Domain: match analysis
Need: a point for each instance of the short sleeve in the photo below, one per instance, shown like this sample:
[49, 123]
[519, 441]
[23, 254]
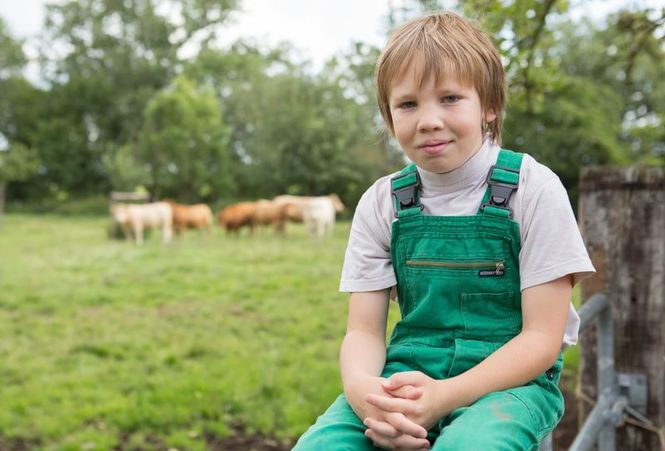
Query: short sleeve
[552, 244]
[367, 263]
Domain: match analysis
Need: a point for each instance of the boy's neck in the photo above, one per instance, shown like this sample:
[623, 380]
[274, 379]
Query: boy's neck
[472, 169]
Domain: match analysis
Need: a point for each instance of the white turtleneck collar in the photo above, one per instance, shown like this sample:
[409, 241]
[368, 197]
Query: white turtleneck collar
[474, 169]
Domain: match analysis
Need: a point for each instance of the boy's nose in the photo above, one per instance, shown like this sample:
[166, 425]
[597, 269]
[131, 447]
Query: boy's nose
[430, 120]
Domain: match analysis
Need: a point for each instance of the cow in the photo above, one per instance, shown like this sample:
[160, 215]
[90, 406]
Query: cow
[134, 218]
[319, 216]
[197, 216]
[271, 213]
[236, 216]
[298, 203]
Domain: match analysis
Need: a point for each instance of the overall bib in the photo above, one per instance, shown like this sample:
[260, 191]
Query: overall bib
[458, 287]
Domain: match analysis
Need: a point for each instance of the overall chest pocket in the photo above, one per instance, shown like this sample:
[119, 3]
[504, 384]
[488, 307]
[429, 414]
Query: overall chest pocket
[488, 315]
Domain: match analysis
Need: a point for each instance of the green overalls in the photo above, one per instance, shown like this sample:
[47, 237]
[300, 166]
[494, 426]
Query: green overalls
[458, 287]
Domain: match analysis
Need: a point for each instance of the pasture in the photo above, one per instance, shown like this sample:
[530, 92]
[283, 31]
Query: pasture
[105, 344]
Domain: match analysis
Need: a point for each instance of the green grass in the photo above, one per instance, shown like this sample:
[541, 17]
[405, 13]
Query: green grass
[106, 345]
[103, 343]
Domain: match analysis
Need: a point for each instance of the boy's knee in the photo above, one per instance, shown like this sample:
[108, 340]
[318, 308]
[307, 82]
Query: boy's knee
[499, 422]
[504, 439]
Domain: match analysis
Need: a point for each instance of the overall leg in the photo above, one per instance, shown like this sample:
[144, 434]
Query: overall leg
[511, 420]
[338, 429]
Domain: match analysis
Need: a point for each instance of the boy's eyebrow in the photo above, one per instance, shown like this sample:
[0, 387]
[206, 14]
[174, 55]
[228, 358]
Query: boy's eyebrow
[401, 97]
[446, 90]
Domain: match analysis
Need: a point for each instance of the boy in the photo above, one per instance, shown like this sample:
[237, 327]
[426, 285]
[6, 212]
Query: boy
[483, 249]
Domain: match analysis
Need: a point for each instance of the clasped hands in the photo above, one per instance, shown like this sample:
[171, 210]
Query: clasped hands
[399, 413]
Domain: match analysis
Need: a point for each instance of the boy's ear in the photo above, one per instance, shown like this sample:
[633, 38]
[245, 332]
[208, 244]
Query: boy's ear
[490, 115]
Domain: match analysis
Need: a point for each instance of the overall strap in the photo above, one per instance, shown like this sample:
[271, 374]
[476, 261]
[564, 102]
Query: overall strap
[502, 181]
[405, 188]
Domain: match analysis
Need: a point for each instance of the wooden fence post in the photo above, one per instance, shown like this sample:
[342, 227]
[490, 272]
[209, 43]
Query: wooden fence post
[622, 217]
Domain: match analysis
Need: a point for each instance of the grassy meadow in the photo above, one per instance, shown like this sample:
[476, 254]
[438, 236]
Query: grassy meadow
[107, 345]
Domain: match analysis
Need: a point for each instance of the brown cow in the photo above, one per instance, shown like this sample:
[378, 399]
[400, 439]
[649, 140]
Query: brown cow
[236, 216]
[197, 216]
[270, 213]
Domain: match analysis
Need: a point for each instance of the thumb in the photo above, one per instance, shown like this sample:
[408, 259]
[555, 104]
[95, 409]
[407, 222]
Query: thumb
[406, 392]
[398, 380]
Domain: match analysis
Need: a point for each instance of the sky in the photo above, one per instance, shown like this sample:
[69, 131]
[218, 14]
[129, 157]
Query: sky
[317, 28]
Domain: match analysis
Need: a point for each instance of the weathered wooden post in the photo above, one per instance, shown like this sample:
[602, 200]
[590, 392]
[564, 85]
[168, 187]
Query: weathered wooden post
[622, 216]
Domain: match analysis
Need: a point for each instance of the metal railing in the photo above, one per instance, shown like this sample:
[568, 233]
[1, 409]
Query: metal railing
[618, 394]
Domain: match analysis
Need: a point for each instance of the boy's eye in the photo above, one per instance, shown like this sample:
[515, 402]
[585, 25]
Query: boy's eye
[407, 105]
[449, 99]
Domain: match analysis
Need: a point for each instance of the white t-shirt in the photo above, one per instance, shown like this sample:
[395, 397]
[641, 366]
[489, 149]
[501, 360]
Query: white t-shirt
[552, 246]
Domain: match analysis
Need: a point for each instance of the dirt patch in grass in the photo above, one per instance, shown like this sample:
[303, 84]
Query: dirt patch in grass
[240, 440]
[248, 443]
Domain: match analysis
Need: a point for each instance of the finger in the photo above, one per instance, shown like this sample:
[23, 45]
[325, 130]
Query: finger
[379, 440]
[381, 427]
[406, 426]
[406, 441]
[406, 392]
[388, 404]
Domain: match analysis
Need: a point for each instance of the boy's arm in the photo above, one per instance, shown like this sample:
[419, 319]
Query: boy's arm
[530, 353]
[362, 358]
[363, 351]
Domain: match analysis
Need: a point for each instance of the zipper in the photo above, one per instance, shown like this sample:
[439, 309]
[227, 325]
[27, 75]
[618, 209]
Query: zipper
[499, 266]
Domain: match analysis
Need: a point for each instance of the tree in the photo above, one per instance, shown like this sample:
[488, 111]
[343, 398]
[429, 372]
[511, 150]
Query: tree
[104, 60]
[17, 111]
[184, 143]
[17, 163]
[295, 132]
[628, 58]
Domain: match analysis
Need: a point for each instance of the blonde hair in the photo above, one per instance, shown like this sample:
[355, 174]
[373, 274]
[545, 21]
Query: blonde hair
[447, 45]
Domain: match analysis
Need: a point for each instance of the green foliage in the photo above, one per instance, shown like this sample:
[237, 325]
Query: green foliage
[116, 56]
[574, 126]
[182, 148]
[296, 132]
[11, 52]
[627, 57]
[17, 163]
[80, 206]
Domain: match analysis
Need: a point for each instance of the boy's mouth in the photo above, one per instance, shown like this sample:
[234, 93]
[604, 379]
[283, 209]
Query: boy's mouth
[434, 146]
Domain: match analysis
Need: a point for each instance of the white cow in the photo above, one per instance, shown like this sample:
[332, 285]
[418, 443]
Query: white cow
[137, 217]
[319, 216]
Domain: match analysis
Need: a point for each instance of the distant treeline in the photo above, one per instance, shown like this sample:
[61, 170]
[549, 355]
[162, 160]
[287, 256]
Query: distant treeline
[118, 106]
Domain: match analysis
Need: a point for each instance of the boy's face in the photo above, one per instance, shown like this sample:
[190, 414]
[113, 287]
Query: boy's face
[438, 126]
